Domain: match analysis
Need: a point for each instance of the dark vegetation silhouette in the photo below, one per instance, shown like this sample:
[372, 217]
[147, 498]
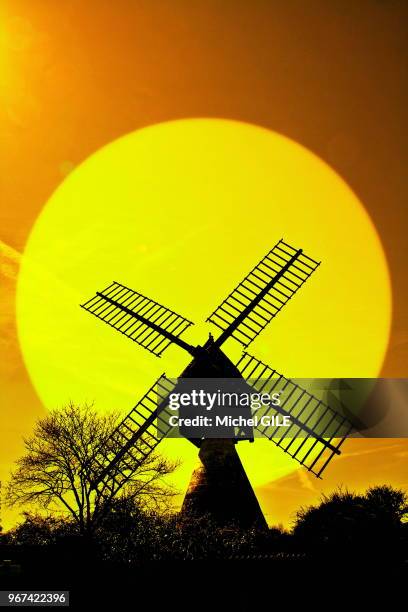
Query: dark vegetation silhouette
[343, 523]
[373, 523]
[62, 456]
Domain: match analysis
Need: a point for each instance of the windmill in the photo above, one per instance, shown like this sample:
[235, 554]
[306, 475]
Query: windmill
[220, 486]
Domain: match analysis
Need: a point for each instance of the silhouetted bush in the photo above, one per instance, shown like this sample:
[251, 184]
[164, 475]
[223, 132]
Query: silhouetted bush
[347, 523]
[37, 530]
[129, 535]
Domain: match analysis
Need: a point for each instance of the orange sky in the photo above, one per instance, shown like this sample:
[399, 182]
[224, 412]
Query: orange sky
[75, 76]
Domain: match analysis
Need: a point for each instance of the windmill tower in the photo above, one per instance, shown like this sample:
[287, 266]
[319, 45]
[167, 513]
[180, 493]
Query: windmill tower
[220, 486]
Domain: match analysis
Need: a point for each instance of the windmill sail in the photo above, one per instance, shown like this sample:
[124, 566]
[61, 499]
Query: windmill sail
[262, 294]
[134, 439]
[141, 319]
[316, 432]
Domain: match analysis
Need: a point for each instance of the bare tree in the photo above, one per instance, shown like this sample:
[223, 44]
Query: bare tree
[62, 457]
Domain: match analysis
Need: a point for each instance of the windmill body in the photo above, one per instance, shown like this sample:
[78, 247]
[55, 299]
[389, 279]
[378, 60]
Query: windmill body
[219, 487]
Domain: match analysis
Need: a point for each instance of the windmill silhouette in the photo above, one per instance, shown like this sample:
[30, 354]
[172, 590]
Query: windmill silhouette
[220, 486]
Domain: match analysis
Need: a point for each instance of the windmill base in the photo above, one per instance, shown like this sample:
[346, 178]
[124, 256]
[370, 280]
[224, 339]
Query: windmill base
[220, 488]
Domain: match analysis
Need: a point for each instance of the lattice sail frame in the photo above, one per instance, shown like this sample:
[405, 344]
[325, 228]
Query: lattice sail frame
[138, 317]
[316, 432]
[134, 439]
[263, 293]
[243, 315]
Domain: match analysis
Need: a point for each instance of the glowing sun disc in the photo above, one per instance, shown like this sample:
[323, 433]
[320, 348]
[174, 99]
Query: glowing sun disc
[181, 211]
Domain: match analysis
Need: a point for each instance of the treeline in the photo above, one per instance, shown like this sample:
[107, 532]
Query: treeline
[342, 524]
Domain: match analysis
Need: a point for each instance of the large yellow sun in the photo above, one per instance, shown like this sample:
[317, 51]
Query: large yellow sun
[181, 211]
